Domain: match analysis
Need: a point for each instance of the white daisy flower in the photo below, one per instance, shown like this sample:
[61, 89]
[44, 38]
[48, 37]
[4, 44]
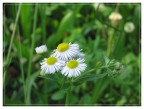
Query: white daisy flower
[41, 49]
[51, 65]
[74, 67]
[66, 51]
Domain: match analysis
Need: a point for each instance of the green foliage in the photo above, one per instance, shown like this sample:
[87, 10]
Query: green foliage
[26, 19]
[65, 25]
[58, 95]
[88, 77]
[113, 56]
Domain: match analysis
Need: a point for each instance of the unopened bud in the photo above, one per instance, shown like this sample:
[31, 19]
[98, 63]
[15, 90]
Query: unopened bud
[114, 18]
[129, 27]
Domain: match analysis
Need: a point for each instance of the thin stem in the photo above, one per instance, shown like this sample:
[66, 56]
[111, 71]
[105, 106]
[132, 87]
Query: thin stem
[99, 19]
[109, 44]
[11, 41]
[31, 54]
[46, 94]
[21, 65]
[33, 41]
[117, 7]
[103, 67]
[43, 16]
[67, 102]
[13, 33]
[8, 58]
[22, 72]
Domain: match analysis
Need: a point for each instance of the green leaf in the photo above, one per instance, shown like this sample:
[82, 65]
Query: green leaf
[24, 48]
[58, 95]
[26, 19]
[48, 76]
[98, 90]
[120, 47]
[137, 15]
[29, 83]
[66, 24]
[65, 86]
[89, 77]
[107, 60]
[86, 99]
[96, 42]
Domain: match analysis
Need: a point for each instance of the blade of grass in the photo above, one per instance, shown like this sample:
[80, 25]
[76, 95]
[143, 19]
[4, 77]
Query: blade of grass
[11, 41]
[13, 33]
[109, 43]
[9, 58]
[33, 40]
[21, 64]
[42, 9]
[43, 17]
[26, 20]
[31, 53]
[66, 23]
[100, 86]
[29, 86]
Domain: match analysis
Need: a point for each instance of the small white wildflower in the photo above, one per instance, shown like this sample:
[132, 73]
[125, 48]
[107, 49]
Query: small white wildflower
[129, 27]
[115, 17]
[11, 27]
[41, 49]
[66, 51]
[73, 68]
[51, 65]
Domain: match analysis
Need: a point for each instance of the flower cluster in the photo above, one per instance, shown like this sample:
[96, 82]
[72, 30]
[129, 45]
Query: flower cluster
[67, 58]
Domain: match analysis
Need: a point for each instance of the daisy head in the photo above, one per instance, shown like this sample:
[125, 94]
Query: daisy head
[51, 65]
[73, 68]
[41, 49]
[66, 51]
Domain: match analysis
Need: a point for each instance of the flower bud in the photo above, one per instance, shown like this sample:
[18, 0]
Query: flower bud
[117, 65]
[42, 73]
[41, 49]
[114, 18]
[129, 27]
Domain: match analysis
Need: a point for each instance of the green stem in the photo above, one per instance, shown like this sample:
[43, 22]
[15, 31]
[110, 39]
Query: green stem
[13, 33]
[11, 41]
[67, 102]
[103, 67]
[46, 94]
[117, 7]
[31, 54]
[33, 41]
[8, 58]
[21, 65]
[105, 23]
[109, 44]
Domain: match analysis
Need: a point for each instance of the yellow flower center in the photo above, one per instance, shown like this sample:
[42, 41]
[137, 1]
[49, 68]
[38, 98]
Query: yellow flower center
[72, 64]
[51, 60]
[63, 47]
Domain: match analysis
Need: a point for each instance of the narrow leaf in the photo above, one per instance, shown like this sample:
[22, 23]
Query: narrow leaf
[58, 95]
[89, 77]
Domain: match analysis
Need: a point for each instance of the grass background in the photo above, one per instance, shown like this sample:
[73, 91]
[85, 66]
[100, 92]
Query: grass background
[27, 26]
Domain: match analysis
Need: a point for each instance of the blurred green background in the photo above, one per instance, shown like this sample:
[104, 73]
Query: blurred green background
[89, 25]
